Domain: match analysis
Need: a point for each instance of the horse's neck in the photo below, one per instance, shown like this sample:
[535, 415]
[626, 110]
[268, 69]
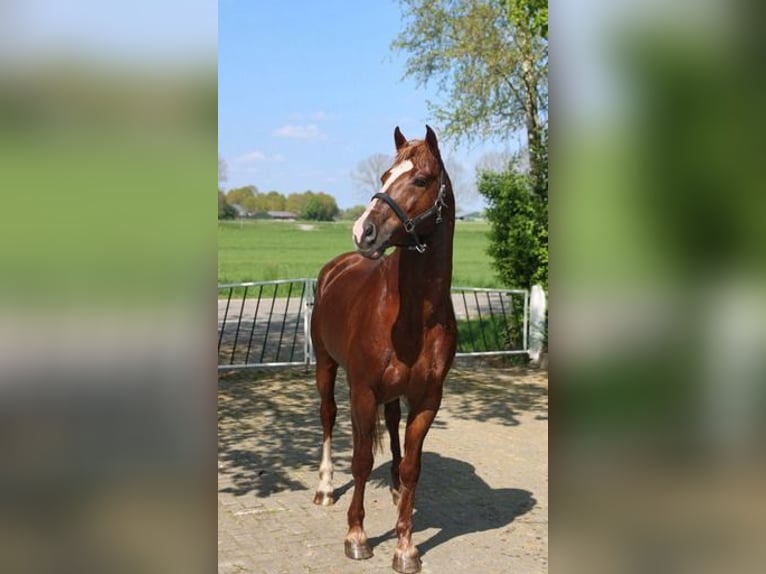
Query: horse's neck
[428, 274]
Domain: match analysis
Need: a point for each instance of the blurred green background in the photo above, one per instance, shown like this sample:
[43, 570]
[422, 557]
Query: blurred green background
[108, 129]
[105, 172]
[658, 287]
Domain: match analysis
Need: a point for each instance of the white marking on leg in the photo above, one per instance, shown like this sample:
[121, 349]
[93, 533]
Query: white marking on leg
[326, 469]
[396, 172]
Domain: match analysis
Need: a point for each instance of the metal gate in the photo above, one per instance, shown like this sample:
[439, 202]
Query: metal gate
[491, 321]
[266, 323]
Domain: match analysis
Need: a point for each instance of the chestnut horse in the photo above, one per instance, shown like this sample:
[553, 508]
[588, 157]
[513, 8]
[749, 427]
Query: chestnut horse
[388, 321]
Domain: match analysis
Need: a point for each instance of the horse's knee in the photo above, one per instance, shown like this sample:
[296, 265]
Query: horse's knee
[361, 463]
[409, 472]
[328, 409]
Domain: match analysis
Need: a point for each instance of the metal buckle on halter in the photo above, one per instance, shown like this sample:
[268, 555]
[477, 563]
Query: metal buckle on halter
[419, 247]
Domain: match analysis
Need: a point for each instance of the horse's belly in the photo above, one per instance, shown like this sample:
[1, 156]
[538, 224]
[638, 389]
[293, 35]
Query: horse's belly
[330, 329]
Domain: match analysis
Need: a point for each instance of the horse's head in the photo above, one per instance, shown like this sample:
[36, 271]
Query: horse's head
[410, 203]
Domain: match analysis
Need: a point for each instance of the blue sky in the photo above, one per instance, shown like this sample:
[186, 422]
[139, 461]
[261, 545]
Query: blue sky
[306, 90]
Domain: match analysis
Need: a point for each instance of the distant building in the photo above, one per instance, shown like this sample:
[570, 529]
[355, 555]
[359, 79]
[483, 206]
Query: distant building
[284, 215]
[241, 211]
[473, 216]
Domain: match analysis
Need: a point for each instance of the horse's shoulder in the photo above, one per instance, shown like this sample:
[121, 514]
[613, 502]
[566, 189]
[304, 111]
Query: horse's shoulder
[335, 266]
[345, 266]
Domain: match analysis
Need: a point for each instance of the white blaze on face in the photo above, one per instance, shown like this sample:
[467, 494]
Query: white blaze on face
[396, 172]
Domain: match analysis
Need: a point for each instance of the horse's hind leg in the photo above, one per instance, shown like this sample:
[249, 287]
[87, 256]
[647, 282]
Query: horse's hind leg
[326, 370]
[393, 415]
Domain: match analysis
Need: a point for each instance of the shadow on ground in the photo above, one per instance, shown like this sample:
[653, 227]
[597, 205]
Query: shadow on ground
[268, 427]
[454, 500]
[496, 395]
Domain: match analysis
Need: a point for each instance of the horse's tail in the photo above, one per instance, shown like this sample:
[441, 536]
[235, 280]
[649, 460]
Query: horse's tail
[377, 436]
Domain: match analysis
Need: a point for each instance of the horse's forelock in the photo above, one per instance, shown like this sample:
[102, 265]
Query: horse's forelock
[418, 152]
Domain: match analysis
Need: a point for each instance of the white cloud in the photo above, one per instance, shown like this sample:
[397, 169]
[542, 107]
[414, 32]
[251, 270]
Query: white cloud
[319, 116]
[301, 132]
[259, 157]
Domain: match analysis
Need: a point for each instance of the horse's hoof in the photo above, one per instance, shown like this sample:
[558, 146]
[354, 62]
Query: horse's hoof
[324, 498]
[357, 551]
[395, 495]
[406, 562]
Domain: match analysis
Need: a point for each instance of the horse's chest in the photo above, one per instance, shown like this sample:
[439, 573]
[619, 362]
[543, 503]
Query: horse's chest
[401, 380]
[427, 365]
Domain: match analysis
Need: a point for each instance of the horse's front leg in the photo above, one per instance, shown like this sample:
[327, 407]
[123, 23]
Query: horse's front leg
[393, 415]
[364, 421]
[326, 370]
[406, 555]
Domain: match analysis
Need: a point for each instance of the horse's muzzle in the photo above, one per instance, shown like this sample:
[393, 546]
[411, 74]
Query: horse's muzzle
[372, 253]
[368, 241]
[369, 234]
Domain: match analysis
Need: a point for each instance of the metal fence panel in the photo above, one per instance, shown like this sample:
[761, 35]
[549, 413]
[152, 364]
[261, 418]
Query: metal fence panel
[490, 321]
[266, 323]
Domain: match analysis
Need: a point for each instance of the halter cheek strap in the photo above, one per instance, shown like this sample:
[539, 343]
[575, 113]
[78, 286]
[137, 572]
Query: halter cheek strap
[410, 224]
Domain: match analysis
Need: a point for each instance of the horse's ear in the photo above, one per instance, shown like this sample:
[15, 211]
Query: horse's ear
[431, 141]
[399, 139]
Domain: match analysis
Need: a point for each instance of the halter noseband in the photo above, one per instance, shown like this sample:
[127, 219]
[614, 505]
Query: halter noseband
[410, 223]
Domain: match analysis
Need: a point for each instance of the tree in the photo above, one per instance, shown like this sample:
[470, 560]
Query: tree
[352, 213]
[271, 201]
[490, 60]
[329, 205]
[519, 225]
[313, 210]
[494, 161]
[275, 201]
[241, 195]
[366, 176]
[464, 190]
[223, 171]
[262, 204]
[225, 211]
[319, 207]
[250, 204]
[295, 202]
[518, 215]
[310, 205]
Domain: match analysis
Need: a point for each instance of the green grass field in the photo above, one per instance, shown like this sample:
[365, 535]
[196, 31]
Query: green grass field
[257, 250]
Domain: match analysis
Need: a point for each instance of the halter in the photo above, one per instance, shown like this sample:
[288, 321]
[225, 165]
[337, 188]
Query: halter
[410, 223]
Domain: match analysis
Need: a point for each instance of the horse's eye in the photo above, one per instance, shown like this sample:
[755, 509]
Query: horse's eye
[419, 181]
